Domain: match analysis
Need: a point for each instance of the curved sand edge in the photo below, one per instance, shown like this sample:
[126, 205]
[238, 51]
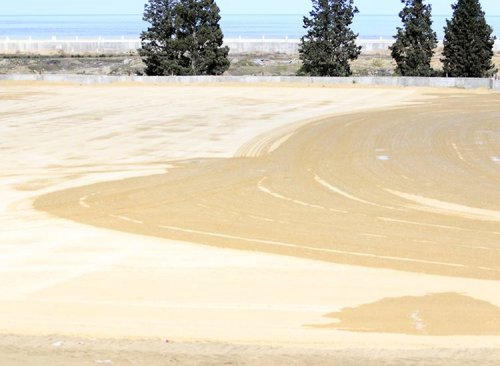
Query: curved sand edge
[59, 260]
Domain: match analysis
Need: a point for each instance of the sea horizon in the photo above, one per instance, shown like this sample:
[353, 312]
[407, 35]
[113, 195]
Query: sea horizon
[245, 26]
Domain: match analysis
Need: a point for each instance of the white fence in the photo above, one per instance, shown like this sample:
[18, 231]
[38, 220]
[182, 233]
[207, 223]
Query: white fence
[127, 46]
[69, 46]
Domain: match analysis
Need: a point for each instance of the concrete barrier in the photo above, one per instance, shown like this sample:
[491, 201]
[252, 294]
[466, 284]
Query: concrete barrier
[263, 46]
[124, 46]
[69, 47]
[291, 46]
[462, 83]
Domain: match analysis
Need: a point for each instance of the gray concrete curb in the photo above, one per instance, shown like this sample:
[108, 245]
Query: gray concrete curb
[462, 83]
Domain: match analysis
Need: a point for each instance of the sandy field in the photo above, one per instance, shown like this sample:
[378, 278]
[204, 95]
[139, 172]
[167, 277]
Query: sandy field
[248, 225]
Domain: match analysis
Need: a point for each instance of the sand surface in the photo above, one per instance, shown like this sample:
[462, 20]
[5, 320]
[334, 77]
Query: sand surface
[379, 199]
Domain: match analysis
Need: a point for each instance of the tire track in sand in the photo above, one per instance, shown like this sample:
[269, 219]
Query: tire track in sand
[325, 193]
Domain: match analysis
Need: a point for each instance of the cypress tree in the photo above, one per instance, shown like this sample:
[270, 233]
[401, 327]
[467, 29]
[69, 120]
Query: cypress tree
[200, 37]
[329, 44]
[468, 42]
[184, 38]
[159, 49]
[415, 41]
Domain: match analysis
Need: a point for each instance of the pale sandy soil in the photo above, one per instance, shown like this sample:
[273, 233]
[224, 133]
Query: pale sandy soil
[73, 280]
[36, 351]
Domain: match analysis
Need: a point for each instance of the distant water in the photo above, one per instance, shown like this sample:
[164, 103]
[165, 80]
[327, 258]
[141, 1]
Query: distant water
[234, 26]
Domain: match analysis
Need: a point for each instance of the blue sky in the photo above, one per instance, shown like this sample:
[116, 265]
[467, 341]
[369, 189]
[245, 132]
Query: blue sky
[492, 7]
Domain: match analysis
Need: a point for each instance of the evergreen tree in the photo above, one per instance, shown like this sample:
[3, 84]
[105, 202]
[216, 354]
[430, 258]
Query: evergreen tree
[184, 38]
[330, 44]
[200, 37]
[468, 42]
[415, 41]
[159, 49]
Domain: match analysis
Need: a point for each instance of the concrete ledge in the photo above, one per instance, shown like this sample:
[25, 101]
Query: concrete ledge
[462, 83]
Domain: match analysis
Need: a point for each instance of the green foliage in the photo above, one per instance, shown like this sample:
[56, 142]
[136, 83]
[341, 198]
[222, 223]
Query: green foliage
[329, 45]
[415, 41]
[184, 38]
[468, 42]
[159, 50]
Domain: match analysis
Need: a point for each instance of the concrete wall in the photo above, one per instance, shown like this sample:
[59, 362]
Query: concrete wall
[123, 46]
[291, 46]
[69, 47]
[263, 46]
[463, 83]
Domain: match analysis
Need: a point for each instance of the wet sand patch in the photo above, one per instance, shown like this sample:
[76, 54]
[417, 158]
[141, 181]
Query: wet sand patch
[448, 314]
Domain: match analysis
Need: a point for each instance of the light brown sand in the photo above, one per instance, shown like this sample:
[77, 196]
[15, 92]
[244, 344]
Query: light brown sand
[411, 189]
[60, 277]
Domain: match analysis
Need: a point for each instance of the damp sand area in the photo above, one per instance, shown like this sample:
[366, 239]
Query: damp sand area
[236, 223]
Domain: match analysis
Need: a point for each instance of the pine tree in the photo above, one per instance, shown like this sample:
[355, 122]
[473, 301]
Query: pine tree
[468, 42]
[184, 38]
[415, 41]
[329, 45]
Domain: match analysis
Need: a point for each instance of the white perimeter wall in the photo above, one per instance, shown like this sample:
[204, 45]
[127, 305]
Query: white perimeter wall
[124, 46]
